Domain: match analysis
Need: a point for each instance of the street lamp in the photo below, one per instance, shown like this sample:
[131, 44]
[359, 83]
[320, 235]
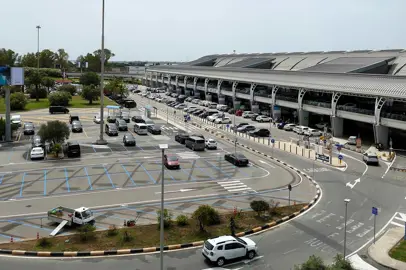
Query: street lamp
[345, 225]
[161, 241]
[102, 56]
[38, 28]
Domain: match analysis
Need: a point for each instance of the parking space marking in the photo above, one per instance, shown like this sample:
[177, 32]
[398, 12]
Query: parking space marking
[128, 174]
[84, 131]
[94, 149]
[22, 185]
[108, 176]
[1, 179]
[45, 182]
[217, 168]
[88, 178]
[67, 180]
[149, 175]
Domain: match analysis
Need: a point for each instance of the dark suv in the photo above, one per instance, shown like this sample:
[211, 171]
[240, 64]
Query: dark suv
[58, 109]
[181, 138]
[72, 149]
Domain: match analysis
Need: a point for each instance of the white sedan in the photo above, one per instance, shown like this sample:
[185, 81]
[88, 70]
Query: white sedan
[263, 118]
[37, 153]
[223, 120]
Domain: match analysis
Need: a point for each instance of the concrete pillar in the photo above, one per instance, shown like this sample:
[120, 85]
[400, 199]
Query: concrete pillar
[255, 108]
[337, 125]
[179, 91]
[236, 104]
[303, 118]
[197, 93]
[188, 92]
[222, 100]
[8, 118]
[381, 135]
[208, 96]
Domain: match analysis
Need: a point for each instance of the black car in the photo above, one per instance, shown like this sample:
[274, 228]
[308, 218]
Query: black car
[72, 149]
[111, 119]
[154, 130]
[29, 128]
[197, 112]
[58, 109]
[126, 117]
[197, 135]
[181, 137]
[121, 125]
[137, 119]
[73, 117]
[237, 159]
[281, 125]
[111, 129]
[260, 132]
[77, 126]
[128, 139]
[37, 141]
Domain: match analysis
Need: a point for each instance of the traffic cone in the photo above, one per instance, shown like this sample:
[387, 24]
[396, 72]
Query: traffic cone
[11, 240]
[37, 235]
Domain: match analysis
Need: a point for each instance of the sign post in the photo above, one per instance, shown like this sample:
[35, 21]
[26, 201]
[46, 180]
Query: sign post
[290, 189]
[340, 157]
[375, 213]
[273, 145]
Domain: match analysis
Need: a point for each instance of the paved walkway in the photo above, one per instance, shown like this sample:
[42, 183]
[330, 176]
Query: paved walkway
[379, 251]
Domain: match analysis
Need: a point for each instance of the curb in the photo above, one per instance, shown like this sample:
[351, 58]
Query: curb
[397, 169]
[176, 246]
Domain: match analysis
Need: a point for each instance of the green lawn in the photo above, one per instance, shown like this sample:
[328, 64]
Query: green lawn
[399, 251]
[76, 102]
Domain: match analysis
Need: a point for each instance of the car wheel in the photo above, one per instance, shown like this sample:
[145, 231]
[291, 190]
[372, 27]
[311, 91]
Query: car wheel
[220, 262]
[251, 255]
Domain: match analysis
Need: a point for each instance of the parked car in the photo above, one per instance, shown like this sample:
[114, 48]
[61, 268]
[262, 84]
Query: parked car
[237, 159]
[213, 117]
[171, 161]
[16, 120]
[246, 128]
[370, 158]
[238, 113]
[281, 125]
[223, 120]
[240, 125]
[37, 141]
[225, 248]
[247, 114]
[321, 125]
[77, 126]
[125, 116]
[129, 139]
[37, 153]
[72, 149]
[254, 117]
[261, 132]
[29, 128]
[189, 108]
[181, 106]
[181, 137]
[352, 140]
[197, 112]
[289, 127]
[58, 109]
[121, 125]
[263, 118]
[154, 130]
[211, 144]
[111, 129]
[300, 129]
[138, 119]
[312, 132]
[73, 117]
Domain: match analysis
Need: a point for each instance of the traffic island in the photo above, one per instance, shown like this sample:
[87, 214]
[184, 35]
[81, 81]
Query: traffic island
[135, 239]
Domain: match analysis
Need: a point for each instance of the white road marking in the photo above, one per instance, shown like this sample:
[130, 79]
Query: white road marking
[263, 162]
[176, 191]
[290, 251]
[389, 166]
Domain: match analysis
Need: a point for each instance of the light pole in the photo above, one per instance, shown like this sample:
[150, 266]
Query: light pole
[102, 56]
[38, 28]
[345, 225]
[161, 238]
[235, 137]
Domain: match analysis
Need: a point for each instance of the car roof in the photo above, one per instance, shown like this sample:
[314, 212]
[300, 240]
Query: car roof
[220, 239]
[73, 143]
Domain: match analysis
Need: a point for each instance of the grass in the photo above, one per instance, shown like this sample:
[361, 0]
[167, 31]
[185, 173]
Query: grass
[76, 102]
[148, 235]
[399, 251]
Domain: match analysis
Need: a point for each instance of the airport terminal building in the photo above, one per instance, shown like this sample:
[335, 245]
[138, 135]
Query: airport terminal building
[360, 93]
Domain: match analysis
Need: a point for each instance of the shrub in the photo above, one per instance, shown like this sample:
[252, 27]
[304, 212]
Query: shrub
[86, 232]
[44, 242]
[112, 231]
[42, 92]
[59, 99]
[260, 206]
[182, 220]
[56, 149]
[167, 218]
[71, 89]
[18, 101]
[89, 78]
[206, 216]
[127, 236]
[45, 72]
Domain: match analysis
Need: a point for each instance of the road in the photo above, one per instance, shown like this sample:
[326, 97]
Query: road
[319, 232]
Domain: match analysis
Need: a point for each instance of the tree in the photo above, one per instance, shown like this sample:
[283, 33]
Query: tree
[29, 60]
[59, 98]
[18, 101]
[54, 132]
[47, 59]
[316, 263]
[108, 54]
[35, 79]
[48, 83]
[167, 218]
[260, 206]
[61, 58]
[90, 93]
[206, 216]
[8, 57]
[89, 78]
[71, 89]
[117, 87]
[3, 127]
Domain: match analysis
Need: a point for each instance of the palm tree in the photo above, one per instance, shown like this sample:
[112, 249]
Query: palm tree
[61, 57]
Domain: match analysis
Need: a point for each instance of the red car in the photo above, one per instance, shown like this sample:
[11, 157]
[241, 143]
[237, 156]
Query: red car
[238, 113]
[171, 162]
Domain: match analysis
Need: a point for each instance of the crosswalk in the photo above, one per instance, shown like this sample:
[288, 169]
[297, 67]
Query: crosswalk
[236, 186]
[399, 220]
[174, 129]
[188, 155]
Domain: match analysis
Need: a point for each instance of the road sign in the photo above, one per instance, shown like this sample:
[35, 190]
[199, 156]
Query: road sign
[340, 157]
[375, 211]
[228, 125]
[325, 141]
[272, 140]
[290, 187]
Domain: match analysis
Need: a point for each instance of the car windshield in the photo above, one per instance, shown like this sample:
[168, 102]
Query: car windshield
[240, 240]
[240, 156]
[29, 126]
[172, 158]
[112, 127]
[86, 214]
[122, 122]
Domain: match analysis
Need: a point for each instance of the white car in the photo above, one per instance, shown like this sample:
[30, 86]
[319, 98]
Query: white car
[221, 120]
[370, 157]
[211, 144]
[300, 129]
[181, 106]
[224, 248]
[201, 103]
[97, 119]
[263, 118]
[247, 114]
[321, 125]
[212, 117]
[159, 99]
[16, 120]
[312, 132]
[37, 153]
[289, 127]
[189, 108]
[195, 101]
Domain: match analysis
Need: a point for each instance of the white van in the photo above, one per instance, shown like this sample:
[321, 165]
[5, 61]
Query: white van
[140, 129]
[300, 129]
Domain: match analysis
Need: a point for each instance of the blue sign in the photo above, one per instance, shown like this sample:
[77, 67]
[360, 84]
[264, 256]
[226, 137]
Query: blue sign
[188, 117]
[340, 157]
[272, 140]
[375, 211]
[324, 140]
[228, 125]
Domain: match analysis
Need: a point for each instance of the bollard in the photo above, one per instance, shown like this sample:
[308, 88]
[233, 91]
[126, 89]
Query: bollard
[11, 240]
[125, 223]
[302, 152]
[296, 150]
[37, 235]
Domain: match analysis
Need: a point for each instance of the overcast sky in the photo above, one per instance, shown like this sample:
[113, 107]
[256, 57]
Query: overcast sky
[182, 30]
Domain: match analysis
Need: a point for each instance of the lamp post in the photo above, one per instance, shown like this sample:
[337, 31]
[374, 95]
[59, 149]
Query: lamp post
[161, 238]
[38, 28]
[102, 57]
[235, 136]
[345, 225]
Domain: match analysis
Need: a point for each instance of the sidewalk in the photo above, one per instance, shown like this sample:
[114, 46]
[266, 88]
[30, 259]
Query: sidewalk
[379, 251]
